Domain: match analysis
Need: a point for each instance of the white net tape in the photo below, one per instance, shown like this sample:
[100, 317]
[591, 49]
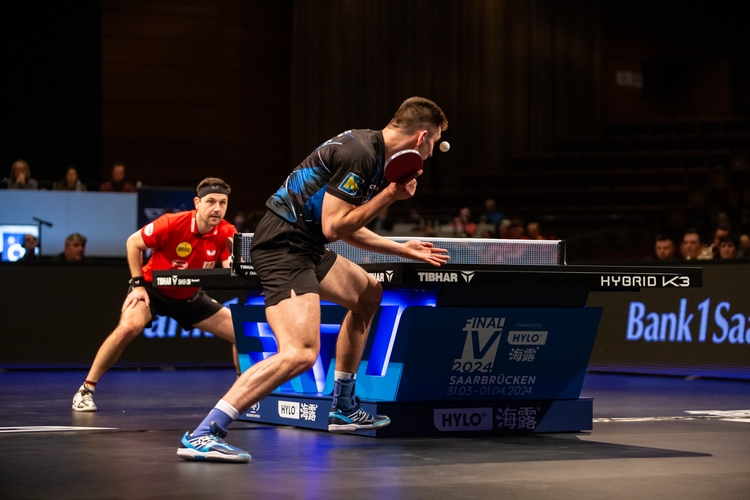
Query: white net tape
[461, 251]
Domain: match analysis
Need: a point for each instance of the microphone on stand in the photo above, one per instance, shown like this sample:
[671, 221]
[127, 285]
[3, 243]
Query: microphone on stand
[40, 221]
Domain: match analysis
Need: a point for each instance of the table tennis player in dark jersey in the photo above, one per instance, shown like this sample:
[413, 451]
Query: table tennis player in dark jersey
[194, 239]
[332, 195]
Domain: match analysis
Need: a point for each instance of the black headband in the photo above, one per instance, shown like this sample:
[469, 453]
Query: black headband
[212, 188]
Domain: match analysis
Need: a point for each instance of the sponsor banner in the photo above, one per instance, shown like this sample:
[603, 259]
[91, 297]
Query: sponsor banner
[463, 419]
[384, 276]
[437, 418]
[690, 331]
[174, 280]
[290, 409]
[454, 354]
[448, 354]
[503, 418]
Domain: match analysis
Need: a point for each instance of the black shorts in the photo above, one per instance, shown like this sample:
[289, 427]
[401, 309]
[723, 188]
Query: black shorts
[187, 312]
[287, 258]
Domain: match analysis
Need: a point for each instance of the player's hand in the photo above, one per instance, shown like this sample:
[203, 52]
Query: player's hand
[425, 251]
[135, 297]
[405, 188]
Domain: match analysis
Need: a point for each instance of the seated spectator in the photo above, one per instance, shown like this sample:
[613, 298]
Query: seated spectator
[533, 232]
[20, 176]
[492, 214]
[75, 249]
[743, 252]
[503, 229]
[70, 182]
[463, 225]
[428, 231]
[117, 183]
[30, 244]
[515, 230]
[722, 231]
[664, 248]
[728, 246]
[692, 248]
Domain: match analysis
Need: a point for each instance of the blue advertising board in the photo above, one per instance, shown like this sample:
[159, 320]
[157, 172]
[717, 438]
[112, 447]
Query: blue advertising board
[447, 363]
[683, 331]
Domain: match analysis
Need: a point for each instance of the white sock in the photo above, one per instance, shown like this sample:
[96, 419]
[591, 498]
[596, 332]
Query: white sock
[230, 410]
[337, 375]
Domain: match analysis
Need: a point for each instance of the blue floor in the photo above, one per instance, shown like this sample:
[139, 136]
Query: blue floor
[653, 437]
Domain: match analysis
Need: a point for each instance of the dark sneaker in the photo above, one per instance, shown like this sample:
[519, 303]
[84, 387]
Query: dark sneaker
[212, 448]
[355, 420]
[84, 399]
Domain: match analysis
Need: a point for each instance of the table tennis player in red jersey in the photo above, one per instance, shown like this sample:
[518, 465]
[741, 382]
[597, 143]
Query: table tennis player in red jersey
[332, 195]
[195, 239]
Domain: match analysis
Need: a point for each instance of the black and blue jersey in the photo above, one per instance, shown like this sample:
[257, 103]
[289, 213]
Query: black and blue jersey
[349, 167]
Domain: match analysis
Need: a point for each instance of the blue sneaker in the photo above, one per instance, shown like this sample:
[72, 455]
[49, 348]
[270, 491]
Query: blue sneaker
[355, 420]
[211, 447]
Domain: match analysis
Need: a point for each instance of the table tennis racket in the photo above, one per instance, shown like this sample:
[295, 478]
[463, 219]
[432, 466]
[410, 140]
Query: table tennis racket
[402, 165]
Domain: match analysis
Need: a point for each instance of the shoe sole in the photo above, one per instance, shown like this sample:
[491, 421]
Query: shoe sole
[356, 427]
[211, 456]
[75, 408]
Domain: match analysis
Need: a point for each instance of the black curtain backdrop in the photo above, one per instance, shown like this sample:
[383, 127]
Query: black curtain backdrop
[52, 104]
[513, 76]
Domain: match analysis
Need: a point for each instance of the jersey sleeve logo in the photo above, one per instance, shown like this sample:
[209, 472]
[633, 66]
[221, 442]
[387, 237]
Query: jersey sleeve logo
[184, 249]
[351, 184]
[149, 229]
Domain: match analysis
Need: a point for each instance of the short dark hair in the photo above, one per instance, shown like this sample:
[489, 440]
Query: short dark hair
[734, 238]
[693, 230]
[415, 112]
[663, 237]
[213, 181]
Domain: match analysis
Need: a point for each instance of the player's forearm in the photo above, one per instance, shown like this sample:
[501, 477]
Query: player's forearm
[370, 241]
[135, 257]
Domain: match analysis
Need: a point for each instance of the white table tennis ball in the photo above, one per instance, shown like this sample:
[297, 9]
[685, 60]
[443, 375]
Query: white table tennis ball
[444, 146]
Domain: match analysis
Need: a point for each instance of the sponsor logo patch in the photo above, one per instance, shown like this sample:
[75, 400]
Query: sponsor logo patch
[351, 183]
[385, 277]
[253, 411]
[184, 249]
[149, 229]
[289, 409]
[521, 337]
[463, 419]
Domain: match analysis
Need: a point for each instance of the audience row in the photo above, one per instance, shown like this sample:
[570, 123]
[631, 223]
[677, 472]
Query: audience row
[725, 245]
[74, 251]
[20, 178]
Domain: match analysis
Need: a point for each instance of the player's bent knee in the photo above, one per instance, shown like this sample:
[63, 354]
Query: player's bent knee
[369, 301]
[303, 361]
[128, 330]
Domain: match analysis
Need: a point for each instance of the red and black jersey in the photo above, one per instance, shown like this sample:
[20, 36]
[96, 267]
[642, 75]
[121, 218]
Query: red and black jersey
[177, 244]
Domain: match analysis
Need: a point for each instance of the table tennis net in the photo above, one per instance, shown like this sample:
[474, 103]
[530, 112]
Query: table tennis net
[461, 251]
